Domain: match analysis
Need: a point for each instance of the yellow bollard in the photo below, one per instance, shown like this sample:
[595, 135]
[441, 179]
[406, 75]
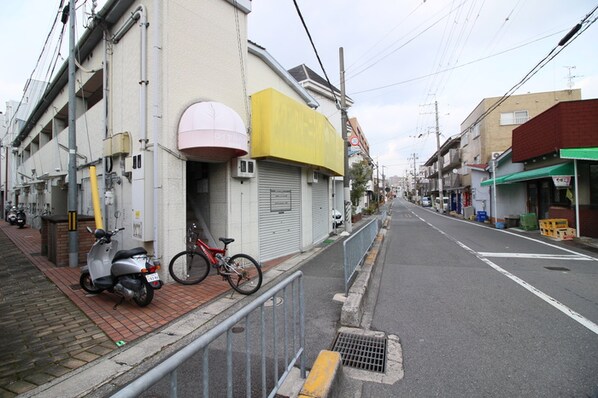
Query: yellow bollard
[95, 197]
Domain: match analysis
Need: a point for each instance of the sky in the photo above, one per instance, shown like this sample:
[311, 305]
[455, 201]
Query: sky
[400, 57]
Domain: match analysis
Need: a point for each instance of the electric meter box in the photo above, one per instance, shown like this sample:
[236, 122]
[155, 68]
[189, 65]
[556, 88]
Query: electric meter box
[142, 191]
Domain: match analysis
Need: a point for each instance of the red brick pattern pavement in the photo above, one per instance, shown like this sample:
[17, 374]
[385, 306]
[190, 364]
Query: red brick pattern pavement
[127, 321]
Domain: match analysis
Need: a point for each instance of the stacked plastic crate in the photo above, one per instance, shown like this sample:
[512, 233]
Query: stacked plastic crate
[557, 228]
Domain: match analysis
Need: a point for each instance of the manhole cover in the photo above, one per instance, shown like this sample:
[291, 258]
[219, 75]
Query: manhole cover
[362, 352]
[273, 302]
[238, 329]
[557, 269]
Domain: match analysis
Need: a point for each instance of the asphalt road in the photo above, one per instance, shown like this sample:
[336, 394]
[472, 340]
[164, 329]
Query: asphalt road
[485, 312]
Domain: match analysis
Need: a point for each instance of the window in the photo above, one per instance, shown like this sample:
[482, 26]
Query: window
[516, 117]
[475, 131]
[465, 139]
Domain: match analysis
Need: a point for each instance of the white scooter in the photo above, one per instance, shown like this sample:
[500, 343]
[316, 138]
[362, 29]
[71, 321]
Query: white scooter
[128, 273]
[11, 217]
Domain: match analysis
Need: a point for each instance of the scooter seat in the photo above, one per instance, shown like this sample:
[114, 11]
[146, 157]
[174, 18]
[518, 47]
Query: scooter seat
[138, 251]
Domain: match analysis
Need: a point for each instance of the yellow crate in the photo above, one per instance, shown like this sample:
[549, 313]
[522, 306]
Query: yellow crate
[549, 227]
[565, 233]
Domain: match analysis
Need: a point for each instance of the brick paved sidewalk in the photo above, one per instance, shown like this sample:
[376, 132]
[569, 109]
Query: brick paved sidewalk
[44, 335]
[50, 326]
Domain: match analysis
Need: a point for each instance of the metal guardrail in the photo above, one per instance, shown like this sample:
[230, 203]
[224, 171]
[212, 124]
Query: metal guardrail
[287, 294]
[356, 247]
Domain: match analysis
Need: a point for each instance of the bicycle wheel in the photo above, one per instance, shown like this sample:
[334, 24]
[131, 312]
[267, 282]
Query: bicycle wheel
[244, 274]
[189, 267]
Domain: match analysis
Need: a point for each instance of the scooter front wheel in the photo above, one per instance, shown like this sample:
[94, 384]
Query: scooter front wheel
[87, 284]
[145, 295]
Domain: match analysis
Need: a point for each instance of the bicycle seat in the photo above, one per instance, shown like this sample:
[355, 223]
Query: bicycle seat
[226, 241]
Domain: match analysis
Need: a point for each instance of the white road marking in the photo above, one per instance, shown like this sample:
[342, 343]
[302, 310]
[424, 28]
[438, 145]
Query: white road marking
[538, 256]
[555, 303]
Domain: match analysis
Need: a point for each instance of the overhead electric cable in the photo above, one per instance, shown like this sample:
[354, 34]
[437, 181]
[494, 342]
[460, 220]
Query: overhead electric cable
[316, 52]
[407, 42]
[380, 40]
[573, 34]
[455, 67]
[41, 55]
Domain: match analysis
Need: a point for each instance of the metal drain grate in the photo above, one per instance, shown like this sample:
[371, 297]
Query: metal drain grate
[362, 352]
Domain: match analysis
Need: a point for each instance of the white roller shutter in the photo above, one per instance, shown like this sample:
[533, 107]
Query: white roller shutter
[321, 218]
[279, 210]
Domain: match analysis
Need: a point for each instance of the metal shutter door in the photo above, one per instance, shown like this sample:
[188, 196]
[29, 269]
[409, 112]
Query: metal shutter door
[321, 219]
[279, 210]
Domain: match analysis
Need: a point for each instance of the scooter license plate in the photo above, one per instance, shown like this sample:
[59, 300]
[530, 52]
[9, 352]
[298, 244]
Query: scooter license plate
[152, 277]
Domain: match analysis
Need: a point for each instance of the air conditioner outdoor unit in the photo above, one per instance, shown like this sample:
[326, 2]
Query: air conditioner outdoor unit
[312, 176]
[243, 168]
[495, 155]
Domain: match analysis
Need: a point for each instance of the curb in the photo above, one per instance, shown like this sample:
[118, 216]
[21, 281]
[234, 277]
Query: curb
[352, 310]
[325, 376]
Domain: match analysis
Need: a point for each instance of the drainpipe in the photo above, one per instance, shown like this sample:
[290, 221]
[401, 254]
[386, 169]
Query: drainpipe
[157, 110]
[139, 15]
[105, 127]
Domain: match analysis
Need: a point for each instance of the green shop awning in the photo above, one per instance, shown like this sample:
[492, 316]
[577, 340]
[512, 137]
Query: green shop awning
[563, 169]
[580, 153]
[499, 180]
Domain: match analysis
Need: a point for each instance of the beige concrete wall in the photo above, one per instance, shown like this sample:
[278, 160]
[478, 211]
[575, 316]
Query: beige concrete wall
[496, 138]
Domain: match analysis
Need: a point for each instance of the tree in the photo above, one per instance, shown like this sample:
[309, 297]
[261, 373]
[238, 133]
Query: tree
[360, 174]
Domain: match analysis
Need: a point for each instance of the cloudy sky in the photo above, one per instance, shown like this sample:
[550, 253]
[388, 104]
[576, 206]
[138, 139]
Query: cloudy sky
[400, 57]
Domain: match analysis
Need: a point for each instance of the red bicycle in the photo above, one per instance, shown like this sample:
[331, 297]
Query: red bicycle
[192, 266]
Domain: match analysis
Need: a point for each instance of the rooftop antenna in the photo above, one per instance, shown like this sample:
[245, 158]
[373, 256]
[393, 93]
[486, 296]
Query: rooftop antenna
[570, 77]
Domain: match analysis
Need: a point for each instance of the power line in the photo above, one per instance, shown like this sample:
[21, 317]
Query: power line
[455, 67]
[41, 55]
[316, 52]
[407, 42]
[573, 34]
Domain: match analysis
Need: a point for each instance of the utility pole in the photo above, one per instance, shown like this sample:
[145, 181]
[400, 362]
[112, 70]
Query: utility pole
[346, 179]
[440, 187]
[414, 157]
[72, 168]
[378, 186]
[384, 183]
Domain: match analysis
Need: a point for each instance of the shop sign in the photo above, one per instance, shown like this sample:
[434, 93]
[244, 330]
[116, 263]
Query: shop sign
[561, 181]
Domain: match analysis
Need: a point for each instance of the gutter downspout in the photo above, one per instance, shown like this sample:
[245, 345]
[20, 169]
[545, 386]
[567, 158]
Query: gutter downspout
[105, 127]
[139, 14]
[157, 112]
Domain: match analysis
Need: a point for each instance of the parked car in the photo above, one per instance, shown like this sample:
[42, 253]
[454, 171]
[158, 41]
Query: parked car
[426, 201]
[337, 218]
[444, 205]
